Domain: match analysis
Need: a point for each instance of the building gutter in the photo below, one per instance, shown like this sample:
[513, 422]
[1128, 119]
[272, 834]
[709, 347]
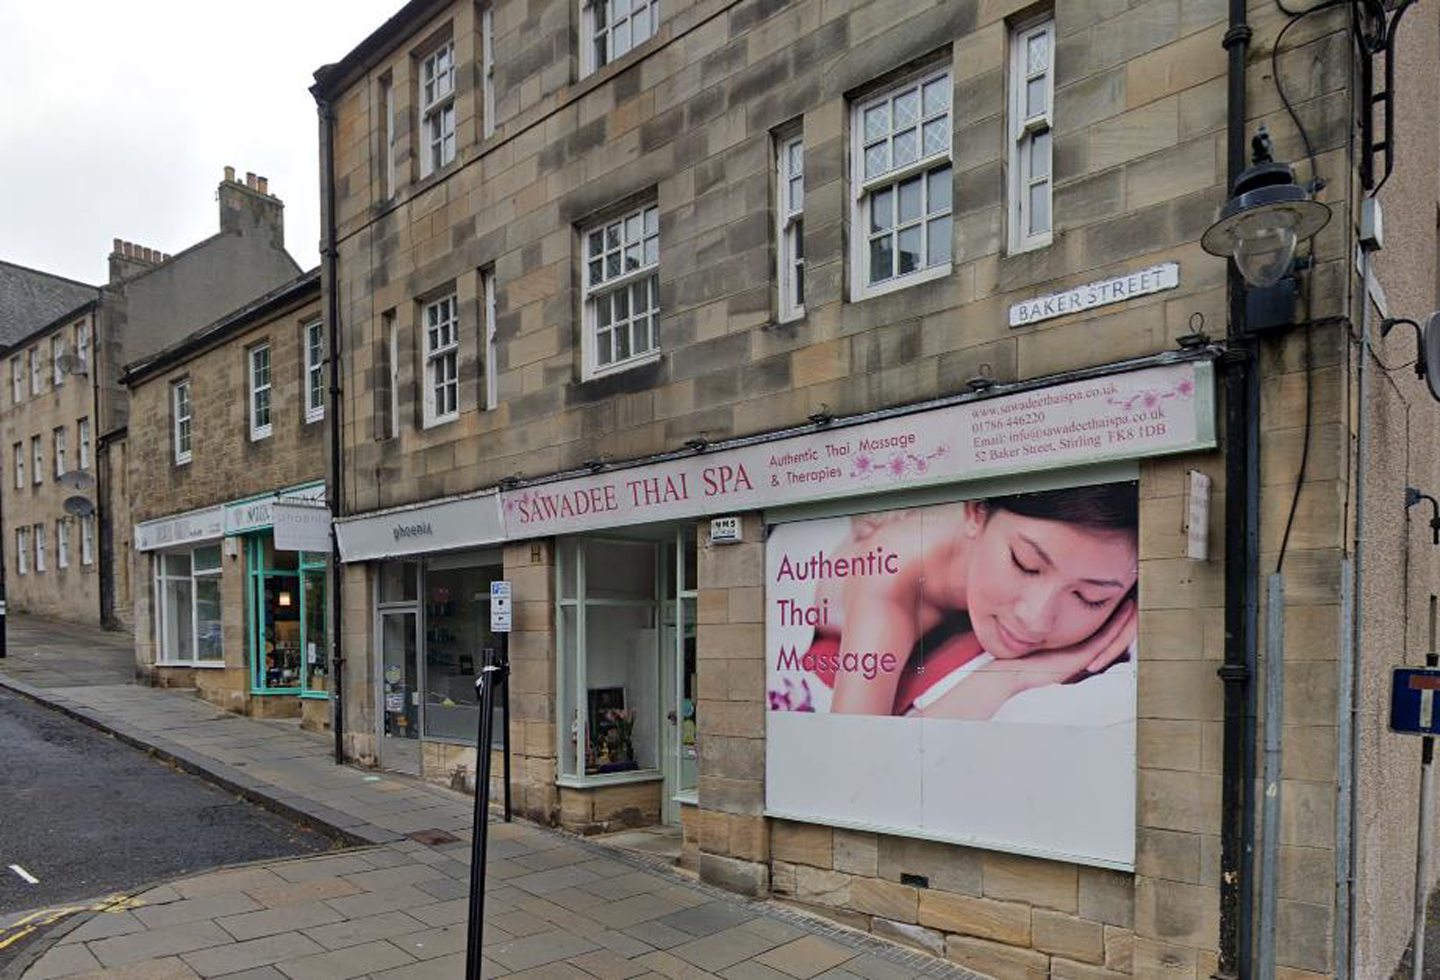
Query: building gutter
[1242, 505]
[331, 302]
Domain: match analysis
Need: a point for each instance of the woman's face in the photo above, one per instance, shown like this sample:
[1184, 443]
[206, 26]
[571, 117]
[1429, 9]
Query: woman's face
[1035, 584]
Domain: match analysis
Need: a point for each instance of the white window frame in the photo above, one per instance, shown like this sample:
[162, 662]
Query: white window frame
[87, 539]
[59, 449]
[57, 348]
[314, 336]
[37, 374]
[387, 152]
[182, 424]
[39, 533]
[790, 225]
[260, 392]
[1031, 139]
[22, 550]
[161, 577]
[487, 298]
[437, 109]
[604, 38]
[608, 246]
[865, 191]
[487, 71]
[82, 346]
[17, 379]
[83, 438]
[62, 542]
[19, 466]
[37, 460]
[440, 321]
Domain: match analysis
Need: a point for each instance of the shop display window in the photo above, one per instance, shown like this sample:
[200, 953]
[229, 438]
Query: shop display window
[187, 607]
[610, 658]
[457, 631]
[286, 610]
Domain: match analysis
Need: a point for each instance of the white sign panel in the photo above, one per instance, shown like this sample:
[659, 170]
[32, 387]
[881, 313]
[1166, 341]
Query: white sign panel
[301, 526]
[1153, 280]
[500, 609]
[1148, 412]
[464, 523]
[189, 528]
[969, 667]
[725, 530]
[1197, 529]
[256, 515]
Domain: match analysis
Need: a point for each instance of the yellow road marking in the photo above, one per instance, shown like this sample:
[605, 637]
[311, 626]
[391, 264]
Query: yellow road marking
[32, 921]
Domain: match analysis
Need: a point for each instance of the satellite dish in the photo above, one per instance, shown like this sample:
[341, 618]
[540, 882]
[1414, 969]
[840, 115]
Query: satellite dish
[70, 364]
[76, 480]
[1430, 353]
[78, 506]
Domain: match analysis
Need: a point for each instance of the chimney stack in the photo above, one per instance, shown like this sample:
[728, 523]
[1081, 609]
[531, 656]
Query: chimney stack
[128, 259]
[250, 208]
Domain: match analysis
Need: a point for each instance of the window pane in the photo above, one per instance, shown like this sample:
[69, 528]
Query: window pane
[907, 109]
[882, 205]
[639, 296]
[881, 259]
[622, 304]
[940, 236]
[633, 228]
[640, 335]
[910, 199]
[207, 559]
[622, 344]
[621, 35]
[1040, 155]
[595, 242]
[457, 606]
[612, 236]
[877, 122]
[937, 95]
[939, 190]
[602, 311]
[612, 265]
[178, 632]
[906, 148]
[177, 565]
[877, 159]
[1038, 52]
[208, 635]
[596, 275]
[632, 257]
[1035, 97]
[1040, 207]
[397, 581]
[937, 136]
[652, 251]
[910, 240]
[603, 353]
[652, 221]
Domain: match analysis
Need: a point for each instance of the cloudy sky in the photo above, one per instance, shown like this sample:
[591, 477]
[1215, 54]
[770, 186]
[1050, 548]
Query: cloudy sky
[118, 119]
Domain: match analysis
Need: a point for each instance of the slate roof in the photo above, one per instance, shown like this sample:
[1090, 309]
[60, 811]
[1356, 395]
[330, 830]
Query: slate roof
[30, 299]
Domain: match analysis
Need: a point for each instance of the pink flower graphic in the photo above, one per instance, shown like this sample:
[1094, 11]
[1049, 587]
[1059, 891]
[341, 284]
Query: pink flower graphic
[793, 698]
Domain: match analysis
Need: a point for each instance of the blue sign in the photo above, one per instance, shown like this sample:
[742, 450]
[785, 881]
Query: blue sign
[1413, 702]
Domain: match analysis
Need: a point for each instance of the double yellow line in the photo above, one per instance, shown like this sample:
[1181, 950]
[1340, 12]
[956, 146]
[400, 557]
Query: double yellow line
[32, 922]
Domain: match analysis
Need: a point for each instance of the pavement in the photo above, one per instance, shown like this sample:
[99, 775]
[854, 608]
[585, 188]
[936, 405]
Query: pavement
[394, 904]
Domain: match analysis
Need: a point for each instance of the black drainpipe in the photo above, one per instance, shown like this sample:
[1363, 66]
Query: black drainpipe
[333, 484]
[1242, 506]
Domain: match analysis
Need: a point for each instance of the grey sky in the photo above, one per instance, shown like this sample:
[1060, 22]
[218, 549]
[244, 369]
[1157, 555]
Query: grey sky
[118, 119]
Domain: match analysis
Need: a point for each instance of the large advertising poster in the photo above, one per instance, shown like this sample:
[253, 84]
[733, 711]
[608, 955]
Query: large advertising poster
[961, 672]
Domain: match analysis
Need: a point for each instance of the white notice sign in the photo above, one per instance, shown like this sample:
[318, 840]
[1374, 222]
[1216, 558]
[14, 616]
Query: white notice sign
[500, 615]
[1153, 280]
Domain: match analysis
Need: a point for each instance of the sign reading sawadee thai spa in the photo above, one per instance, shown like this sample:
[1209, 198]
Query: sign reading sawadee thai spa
[1153, 280]
[1148, 412]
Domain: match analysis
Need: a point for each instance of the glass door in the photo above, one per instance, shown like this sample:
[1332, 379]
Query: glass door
[682, 768]
[399, 691]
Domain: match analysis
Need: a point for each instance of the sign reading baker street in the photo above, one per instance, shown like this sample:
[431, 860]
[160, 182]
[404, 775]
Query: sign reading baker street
[1155, 279]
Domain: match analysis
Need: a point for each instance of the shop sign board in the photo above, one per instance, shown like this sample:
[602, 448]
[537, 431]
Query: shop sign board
[180, 529]
[962, 672]
[725, 530]
[500, 609]
[463, 523]
[301, 526]
[258, 514]
[1115, 290]
[1147, 412]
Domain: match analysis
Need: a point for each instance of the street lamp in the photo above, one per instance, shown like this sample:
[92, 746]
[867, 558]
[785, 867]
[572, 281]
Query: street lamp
[1266, 218]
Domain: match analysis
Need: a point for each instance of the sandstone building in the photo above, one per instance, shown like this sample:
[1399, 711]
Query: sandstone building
[663, 310]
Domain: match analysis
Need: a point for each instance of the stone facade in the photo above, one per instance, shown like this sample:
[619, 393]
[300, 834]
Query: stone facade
[225, 465]
[688, 121]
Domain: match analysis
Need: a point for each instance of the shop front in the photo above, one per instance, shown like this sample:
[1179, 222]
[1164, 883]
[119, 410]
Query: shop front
[234, 616]
[847, 626]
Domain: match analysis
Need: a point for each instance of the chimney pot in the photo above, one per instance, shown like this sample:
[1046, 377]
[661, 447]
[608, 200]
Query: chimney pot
[262, 184]
[229, 175]
[249, 180]
[116, 249]
[125, 248]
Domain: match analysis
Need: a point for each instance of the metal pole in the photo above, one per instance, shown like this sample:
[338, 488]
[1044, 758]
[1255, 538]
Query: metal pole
[505, 691]
[1422, 842]
[1270, 807]
[493, 673]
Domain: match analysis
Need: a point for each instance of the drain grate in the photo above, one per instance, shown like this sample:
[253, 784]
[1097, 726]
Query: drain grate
[433, 837]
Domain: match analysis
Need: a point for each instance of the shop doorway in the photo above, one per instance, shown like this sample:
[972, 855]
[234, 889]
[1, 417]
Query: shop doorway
[288, 614]
[397, 628]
